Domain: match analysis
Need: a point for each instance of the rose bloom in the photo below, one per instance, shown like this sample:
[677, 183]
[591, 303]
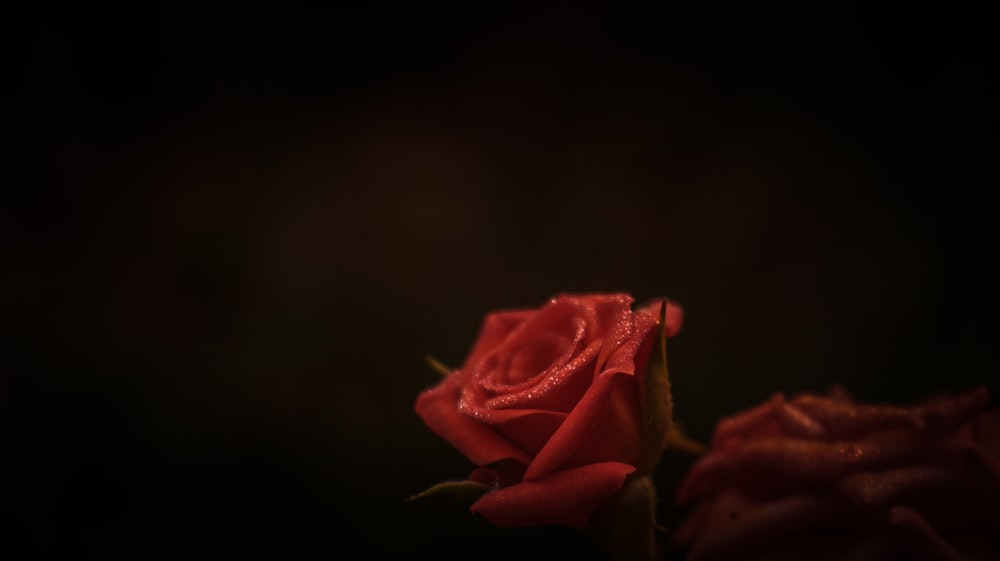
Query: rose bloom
[824, 477]
[550, 405]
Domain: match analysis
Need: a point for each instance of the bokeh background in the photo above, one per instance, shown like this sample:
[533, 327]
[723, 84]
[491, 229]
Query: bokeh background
[233, 234]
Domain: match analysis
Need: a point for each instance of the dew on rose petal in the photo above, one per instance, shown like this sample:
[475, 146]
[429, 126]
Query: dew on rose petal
[477, 413]
[850, 451]
[554, 379]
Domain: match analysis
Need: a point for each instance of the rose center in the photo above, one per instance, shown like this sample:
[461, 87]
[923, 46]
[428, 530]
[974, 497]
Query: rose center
[535, 356]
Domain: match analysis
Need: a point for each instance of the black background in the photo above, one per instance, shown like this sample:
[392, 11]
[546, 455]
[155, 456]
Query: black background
[234, 232]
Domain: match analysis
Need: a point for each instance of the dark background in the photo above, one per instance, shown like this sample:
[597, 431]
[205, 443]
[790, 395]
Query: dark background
[232, 234]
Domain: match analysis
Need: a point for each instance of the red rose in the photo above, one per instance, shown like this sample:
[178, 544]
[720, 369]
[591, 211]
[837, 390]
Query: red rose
[824, 477]
[550, 404]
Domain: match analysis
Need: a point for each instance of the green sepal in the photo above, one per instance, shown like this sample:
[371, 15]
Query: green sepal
[680, 442]
[658, 407]
[438, 366]
[626, 525]
[458, 490]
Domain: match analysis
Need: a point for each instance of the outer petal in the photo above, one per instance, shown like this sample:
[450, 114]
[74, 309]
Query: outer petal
[566, 497]
[846, 420]
[740, 528]
[438, 407]
[577, 426]
[919, 537]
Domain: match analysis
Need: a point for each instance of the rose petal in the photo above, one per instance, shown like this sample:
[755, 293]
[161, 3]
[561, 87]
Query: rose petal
[495, 328]
[558, 388]
[882, 489]
[759, 420]
[986, 431]
[613, 323]
[692, 524]
[438, 407]
[846, 420]
[617, 435]
[566, 497]
[945, 414]
[557, 317]
[797, 423]
[921, 541]
[775, 463]
[626, 356]
[536, 356]
[735, 525]
[530, 430]
[577, 426]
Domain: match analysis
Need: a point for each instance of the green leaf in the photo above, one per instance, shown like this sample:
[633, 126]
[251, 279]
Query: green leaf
[458, 490]
[658, 411]
[438, 366]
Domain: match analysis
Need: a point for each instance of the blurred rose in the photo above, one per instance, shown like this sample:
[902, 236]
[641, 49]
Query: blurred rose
[825, 477]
